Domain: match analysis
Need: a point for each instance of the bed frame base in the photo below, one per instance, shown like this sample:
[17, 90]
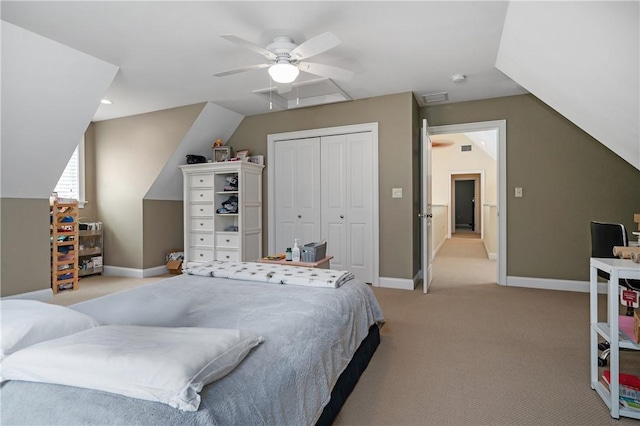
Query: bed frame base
[349, 377]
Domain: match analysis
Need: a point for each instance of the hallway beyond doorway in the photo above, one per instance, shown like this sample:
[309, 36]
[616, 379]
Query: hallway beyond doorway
[462, 262]
[465, 233]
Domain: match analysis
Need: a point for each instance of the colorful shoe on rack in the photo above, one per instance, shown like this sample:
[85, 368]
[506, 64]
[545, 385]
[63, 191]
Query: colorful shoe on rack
[231, 205]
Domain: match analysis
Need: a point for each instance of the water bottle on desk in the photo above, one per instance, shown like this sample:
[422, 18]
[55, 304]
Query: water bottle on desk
[295, 251]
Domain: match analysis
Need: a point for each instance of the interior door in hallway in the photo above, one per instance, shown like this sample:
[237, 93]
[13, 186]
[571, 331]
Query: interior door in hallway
[465, 204]
[347, 203]
[297, 192]
[426, 213]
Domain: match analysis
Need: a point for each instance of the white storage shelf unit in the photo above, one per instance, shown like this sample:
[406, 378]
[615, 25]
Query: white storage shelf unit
[610, 330]
[211, 233]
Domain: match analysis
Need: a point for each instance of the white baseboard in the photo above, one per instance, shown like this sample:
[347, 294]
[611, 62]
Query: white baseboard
[41, 295]
[119, 271]
[435, 251]
[399, 283]
[491, 256]
[155, 271]
[553, 284]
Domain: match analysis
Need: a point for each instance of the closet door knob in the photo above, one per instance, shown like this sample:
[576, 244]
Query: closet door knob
[341, 216]
[299, 216]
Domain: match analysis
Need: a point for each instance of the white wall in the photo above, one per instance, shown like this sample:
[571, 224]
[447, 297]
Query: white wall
[450, 159]
[582, 58]
[50, 93]
[214, 122]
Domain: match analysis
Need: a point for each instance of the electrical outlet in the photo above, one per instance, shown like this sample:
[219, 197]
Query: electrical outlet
[518, 192]
[396, 193]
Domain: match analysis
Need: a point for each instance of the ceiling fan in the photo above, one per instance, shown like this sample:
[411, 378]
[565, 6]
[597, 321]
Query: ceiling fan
[286, 59]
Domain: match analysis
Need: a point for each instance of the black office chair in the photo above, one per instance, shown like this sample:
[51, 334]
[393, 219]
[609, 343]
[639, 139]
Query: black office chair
[604, 237]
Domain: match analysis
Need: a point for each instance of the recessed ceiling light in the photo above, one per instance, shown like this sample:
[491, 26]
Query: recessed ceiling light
[106, 102]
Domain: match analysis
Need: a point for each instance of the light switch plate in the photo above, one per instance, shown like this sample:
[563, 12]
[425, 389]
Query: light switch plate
[518, 192]
[396, 193]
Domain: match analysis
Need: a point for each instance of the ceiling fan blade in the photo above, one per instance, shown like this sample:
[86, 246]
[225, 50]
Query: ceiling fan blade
[326, 71]
[315, 46]
[248, 45]
[284, 87]
[239, 70]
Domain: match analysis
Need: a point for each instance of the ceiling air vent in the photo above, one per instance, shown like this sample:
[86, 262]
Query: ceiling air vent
[464, 148]
[435, 97]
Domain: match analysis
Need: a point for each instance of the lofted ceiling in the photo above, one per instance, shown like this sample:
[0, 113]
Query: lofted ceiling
[167, 52]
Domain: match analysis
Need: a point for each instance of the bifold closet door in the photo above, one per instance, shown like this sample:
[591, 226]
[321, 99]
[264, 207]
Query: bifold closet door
[297, 192]
[347, 202]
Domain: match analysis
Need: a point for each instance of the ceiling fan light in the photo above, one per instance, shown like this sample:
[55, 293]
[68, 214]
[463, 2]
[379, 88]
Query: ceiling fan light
[283, 73]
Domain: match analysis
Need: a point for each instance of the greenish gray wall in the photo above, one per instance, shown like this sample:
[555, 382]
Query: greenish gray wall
[568, 179]
[25, 263]
[130, 152]
[162, 229]
[395, 138]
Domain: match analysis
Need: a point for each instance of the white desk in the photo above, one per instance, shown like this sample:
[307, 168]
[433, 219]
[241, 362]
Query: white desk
[616, 268]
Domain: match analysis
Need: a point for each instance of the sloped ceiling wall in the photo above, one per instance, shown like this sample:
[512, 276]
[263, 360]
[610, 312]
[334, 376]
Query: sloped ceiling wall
[50, 93]
[214, 122]
[583, 60]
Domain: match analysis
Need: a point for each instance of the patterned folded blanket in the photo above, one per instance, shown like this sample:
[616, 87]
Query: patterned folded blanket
[271, 273]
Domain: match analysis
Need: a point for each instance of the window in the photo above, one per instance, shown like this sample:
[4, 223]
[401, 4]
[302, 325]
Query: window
[71, 183]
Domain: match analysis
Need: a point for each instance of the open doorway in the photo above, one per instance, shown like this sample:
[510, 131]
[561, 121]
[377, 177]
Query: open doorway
[465, 205]
[467, 191]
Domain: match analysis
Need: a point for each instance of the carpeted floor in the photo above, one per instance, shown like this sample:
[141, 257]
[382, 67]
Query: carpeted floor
[470, 352]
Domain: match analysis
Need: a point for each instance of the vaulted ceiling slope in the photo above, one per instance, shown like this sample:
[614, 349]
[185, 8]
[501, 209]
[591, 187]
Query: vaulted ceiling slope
[60, 58]
[49, 94]
[168, 51]
[583, 60]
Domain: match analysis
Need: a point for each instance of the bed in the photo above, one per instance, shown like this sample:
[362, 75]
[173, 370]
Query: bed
[316, 343]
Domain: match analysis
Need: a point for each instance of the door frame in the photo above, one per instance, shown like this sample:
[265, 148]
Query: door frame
[501, 127]
[328, 131]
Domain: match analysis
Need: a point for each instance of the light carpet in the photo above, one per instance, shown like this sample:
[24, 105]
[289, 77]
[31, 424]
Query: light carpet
[472, 352]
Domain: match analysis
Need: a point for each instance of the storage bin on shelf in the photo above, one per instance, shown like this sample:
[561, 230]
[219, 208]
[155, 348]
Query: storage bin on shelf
[313, 252]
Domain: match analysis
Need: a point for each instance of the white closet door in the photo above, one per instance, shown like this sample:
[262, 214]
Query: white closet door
[347, 202]
[297, 192]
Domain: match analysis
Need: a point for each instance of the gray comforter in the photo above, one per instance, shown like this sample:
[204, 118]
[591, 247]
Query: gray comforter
[310, 336]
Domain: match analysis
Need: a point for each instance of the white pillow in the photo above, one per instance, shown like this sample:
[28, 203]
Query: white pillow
[27, 322]
[168, 365]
